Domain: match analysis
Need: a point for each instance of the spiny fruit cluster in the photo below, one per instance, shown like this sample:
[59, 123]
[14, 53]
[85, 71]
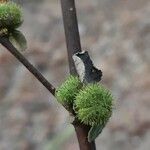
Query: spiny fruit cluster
[10, 19]
[92, 103]
[10, 16]
[68, 90]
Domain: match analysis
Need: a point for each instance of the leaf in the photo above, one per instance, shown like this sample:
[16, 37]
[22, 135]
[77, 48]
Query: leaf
[94, 132]
[18, 40]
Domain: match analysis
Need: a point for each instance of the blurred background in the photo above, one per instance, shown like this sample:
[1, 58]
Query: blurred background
[117, 35]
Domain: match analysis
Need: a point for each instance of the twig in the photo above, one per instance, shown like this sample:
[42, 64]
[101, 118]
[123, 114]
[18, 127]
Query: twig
[74, 46]
[7, 44]
[71, 31]
[82, 134]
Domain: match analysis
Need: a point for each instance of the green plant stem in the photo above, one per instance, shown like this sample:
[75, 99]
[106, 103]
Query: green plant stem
[7, 44]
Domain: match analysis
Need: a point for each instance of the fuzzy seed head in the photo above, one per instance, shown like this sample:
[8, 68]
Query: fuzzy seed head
[10, 16]
[93, 105]
[68, 90]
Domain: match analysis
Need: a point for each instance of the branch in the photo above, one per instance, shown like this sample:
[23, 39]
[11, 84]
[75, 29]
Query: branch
[71, 31]
[74, 46]
[7, 44]
[82, 134]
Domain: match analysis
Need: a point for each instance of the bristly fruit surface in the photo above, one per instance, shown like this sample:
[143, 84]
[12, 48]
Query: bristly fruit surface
[93, 105]
[10, 16]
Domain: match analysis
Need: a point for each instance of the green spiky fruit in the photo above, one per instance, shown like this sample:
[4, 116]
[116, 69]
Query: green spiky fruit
[93, 105]
[10, 16]
[67, 92]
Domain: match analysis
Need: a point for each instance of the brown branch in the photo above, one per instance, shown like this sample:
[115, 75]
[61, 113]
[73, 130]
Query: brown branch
[7, 44]
[82, 134]
[71, 31]
[74, 46]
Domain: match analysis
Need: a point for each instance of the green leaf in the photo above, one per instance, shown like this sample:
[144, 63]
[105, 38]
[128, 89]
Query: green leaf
[94, 132]
[18, 40]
